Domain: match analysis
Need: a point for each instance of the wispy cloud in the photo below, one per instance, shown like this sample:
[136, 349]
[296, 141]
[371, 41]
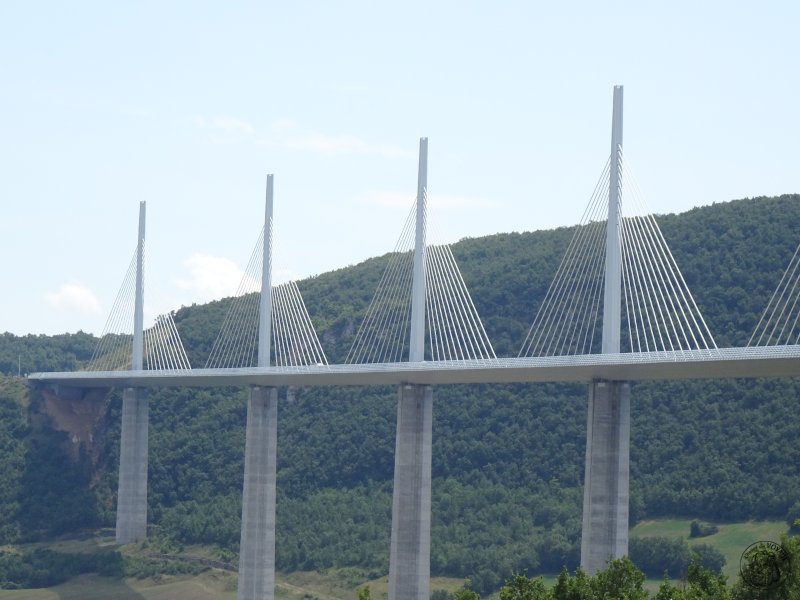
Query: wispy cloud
[71, 296]
[341, 144]
[211, 277]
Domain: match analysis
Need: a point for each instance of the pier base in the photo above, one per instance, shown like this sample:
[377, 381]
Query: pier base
[257, 548]
[410, 555]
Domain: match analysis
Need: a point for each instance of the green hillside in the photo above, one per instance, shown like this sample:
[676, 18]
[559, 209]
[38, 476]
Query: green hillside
[507, 460]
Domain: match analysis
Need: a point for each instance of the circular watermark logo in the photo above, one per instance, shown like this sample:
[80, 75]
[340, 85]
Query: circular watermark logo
[764, 564]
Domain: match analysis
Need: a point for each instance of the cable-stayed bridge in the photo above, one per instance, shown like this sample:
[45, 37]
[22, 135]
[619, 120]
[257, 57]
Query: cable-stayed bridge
[618, 310]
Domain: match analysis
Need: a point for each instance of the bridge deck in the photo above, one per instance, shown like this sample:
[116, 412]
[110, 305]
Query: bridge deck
[724, 363]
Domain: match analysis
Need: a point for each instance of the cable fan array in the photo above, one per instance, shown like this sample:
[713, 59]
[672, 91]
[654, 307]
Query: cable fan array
[162, 346]
[454, 329]
[294, 340]
[778, 325]
[658, 310]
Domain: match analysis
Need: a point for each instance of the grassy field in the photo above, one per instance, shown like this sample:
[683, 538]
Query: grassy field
[339, 584]
[342, 584]
[732, 538]
[92, 587]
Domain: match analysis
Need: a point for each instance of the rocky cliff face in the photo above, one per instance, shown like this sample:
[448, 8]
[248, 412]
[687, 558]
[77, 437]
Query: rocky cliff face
[79, 413]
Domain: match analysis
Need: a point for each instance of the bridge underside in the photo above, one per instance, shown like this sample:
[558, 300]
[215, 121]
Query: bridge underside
[724, 363]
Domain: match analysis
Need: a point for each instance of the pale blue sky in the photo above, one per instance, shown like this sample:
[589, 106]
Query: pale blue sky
[188, 105]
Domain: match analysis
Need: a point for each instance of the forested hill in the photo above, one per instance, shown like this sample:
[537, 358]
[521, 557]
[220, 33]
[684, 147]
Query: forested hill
[507, 460]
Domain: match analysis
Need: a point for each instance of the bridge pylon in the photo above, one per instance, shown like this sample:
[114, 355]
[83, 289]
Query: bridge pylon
[257, 545]
[410, 552]
[604, 533]
[132, 481]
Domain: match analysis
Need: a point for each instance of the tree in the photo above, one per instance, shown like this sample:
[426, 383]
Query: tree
[704, 585]
[667, 591]
[620, 580]
[771, 571]
[573, 588]
[465, 592]
[520, 587]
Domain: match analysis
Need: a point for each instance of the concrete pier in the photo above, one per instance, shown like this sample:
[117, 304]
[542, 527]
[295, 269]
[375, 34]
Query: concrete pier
[257, 549]
[607, 476]
[132, 483]
[410, 555]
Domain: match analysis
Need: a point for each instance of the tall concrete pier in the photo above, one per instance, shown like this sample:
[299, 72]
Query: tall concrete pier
[605, 494]
[257, 546]
[606, 479]
[410, 553]
[132, 482]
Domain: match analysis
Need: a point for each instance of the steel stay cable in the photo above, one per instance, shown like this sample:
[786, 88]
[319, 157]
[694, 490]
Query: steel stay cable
[243, 334]
[288, 329]
[116, 352]
[105, 345]
[303, 343]
[547, 315]
[632, 294]
[296, 347]
[796, 318]
[782, 302]
[151, 336]
[677, 294]
[644, 316]
[589, 296]
[362, 335]
[596, 293]
[544, 306]
[223, 351]
[667, 280]
[453, 349]
[599, 280]
[391, 300]
[645, 254]
[644, 288]
[783, 311]
[690, 302]
[480, 332]
[437, 313]
[652, 247]
[391, 331]
[355, 354]
[292, 331]
[182, 357]
[277, 328]
[543, 329]
[772, 298]
[454, 309]
[579, 307]
[582, 248]
[437, 343]
[650, 287]
[319, 356]
[558, 314]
